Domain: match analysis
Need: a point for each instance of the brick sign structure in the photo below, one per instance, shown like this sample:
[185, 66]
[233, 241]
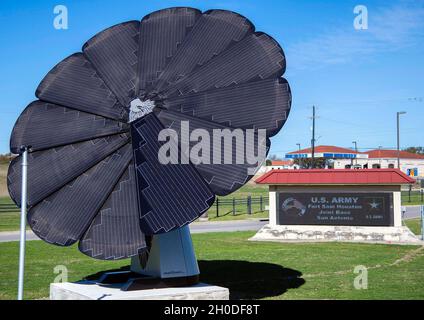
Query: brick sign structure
[335, 205]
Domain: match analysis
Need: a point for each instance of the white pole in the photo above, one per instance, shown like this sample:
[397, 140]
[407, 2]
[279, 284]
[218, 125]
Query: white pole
[23, 223]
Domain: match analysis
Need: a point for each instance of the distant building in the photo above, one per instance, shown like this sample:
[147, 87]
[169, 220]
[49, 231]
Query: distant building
[278, 164]
[283, 164]
[342, 158]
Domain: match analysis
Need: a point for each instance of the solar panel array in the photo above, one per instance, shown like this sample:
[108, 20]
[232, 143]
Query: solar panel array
[95, 177]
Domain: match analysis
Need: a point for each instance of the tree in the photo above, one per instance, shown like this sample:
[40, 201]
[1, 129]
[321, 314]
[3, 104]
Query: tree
[418, 150]
[272, 157]
[6, 158]
[306, 163]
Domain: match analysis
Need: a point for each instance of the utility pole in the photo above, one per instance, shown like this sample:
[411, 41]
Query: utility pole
[313, 138]
[398, 138]
[356, 150]
[300, 159]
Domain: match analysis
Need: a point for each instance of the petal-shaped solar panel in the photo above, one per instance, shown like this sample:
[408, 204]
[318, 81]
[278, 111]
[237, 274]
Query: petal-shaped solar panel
[94, 170]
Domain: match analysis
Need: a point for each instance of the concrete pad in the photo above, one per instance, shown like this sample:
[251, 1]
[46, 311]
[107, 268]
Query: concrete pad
[309, 233]
[87, 290]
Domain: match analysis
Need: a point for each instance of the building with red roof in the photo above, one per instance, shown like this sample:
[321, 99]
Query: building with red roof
[392, 154]
[276, 163]
[324, 152]
[343, 158]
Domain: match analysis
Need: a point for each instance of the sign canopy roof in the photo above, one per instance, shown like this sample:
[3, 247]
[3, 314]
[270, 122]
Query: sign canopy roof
[335, 176]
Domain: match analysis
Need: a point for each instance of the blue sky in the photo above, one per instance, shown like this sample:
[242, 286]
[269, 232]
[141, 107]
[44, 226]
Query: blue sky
[358, 79]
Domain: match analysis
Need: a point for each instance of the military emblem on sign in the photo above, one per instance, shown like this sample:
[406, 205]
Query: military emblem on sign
[374, 204]
[292, 206]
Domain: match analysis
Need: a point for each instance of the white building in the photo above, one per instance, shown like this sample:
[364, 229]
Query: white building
[278, 164]
[342, 158]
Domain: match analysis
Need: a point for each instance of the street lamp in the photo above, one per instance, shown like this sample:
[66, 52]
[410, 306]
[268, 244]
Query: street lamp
[398, 138]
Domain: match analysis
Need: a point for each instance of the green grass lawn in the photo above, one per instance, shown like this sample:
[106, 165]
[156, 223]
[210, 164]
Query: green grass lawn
[256, 270]
[225, 211]
[249, 189]
[9, 215]
[227, 215]
[414, 225]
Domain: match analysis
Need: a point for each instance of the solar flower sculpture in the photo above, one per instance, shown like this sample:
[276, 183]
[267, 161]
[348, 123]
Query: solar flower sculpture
[94, 174]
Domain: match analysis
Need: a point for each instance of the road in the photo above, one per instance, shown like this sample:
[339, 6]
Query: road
[412, 212]
[198, 227]
[227, 226]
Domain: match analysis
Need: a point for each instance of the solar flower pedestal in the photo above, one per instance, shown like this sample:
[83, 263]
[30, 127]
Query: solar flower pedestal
[95, 175]
[168, 272]
[170, 262]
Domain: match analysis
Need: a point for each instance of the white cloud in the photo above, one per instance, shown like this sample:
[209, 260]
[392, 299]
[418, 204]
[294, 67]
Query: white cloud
[390, 29]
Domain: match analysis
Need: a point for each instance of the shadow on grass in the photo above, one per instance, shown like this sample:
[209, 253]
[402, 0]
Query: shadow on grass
[244, 279]
[250, 280]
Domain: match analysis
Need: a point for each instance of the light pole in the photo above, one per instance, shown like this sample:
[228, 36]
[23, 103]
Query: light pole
[313, 138]
[24, 164]
[300, 159]
[398, 138]
[356, 150]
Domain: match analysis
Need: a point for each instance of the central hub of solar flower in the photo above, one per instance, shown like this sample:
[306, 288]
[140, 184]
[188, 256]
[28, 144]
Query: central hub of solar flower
[140, 108]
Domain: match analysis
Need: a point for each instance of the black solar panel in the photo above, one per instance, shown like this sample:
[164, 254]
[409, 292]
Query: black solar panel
[51, 169]
[34, 127]
[170, 196]
[113, 53]
[237, 106]
[213, 32]
[171, 26]
[94, 172]
[222, 178]
[257, 56]
[74, 83]
[115, 232]
[63, 217]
